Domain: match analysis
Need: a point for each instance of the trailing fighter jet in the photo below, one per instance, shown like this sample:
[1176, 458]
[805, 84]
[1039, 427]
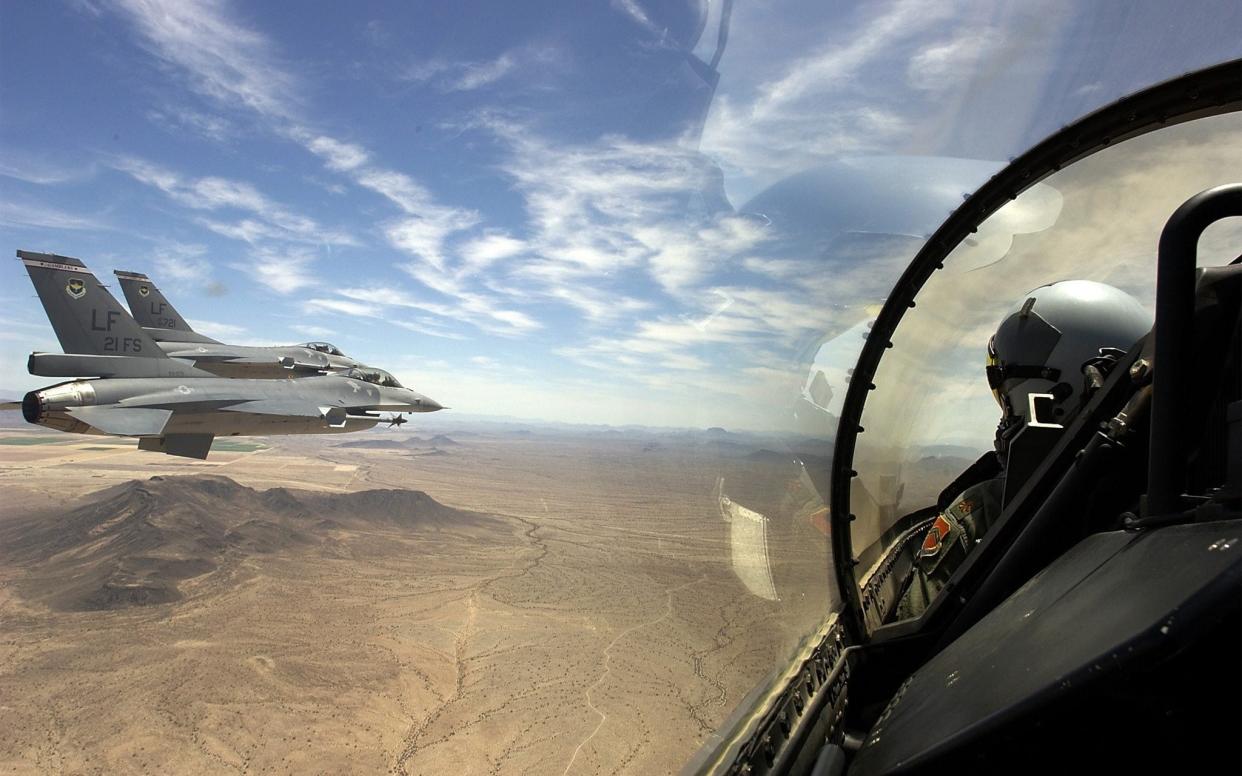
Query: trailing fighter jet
[166, 326]
[100, 338]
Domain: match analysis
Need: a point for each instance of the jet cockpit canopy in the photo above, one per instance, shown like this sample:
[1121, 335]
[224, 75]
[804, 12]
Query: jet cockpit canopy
[374, 376]
[324, 347]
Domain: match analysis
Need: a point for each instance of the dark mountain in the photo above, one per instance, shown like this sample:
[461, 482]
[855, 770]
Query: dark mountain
[131, 545]
[409, 443]
[440, 440]
[374, 444]
[772, 456]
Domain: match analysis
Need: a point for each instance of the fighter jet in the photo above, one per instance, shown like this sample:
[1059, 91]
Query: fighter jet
[181, 416]
[100, 338]
[178, 405]
[161, 320]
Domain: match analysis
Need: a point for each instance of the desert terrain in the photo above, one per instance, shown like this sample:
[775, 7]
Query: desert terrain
[460, 598]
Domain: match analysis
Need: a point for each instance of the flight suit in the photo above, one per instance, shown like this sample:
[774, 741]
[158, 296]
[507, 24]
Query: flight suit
[952, 536]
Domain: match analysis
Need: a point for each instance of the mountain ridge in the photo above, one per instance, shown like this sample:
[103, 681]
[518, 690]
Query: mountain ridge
[133, 543]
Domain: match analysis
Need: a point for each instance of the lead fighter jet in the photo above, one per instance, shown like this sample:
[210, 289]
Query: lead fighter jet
[167, 327]
[181, 416]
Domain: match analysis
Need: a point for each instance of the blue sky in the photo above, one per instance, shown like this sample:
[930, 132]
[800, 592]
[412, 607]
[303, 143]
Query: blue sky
[535, 209]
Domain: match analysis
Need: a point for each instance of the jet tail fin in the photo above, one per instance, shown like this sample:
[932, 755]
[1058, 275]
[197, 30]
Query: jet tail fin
[153, 311]
[86, 318]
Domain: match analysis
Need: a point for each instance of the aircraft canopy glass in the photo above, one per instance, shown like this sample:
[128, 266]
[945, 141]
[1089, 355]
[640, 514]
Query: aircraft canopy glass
[932, 413]
[324, 347]
[375, 376]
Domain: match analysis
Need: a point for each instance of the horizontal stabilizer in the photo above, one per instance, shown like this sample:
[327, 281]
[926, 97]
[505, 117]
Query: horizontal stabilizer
[208, 355]
[123, 421]
[82, 365]
[184, 445]
[216, 354]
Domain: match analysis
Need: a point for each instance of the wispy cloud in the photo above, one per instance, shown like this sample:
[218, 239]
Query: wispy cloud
[42, 173]
[283, 270]
[946, 63]
[225, 60]
[40, 216]
[482, 252]
[635, 12]
[337, 155]
[481, 74]
[422, 235]
[465, 76]
[599, 210]
[181, 118]
[480, 310]
[273, 220]
[182, 263]
[376, 309]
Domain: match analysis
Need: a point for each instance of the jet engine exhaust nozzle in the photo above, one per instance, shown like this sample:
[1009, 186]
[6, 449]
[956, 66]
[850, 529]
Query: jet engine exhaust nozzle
[49, 406]
[32, 408]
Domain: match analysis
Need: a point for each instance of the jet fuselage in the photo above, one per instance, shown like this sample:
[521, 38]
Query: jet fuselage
[240, 407]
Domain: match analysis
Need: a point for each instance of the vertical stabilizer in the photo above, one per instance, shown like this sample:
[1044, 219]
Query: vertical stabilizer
[153, 311]
[86, 318]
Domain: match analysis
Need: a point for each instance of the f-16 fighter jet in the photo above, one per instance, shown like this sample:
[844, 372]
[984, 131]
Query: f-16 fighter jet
[181, 416]
[162, 321]
[99, 336]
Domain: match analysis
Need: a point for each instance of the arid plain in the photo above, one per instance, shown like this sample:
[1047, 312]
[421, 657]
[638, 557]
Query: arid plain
[483, 598]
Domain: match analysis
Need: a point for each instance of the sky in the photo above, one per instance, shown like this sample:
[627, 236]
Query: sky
[552, 211]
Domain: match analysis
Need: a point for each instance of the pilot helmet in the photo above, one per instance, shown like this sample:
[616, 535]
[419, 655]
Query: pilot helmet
[1038, 356]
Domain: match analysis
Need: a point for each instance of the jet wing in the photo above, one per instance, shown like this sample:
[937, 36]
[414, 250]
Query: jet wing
[123, 421]
[335, 416]
[10, 405]
[297, 409]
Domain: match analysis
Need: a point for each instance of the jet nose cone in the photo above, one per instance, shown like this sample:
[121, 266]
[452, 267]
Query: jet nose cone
[431, 405]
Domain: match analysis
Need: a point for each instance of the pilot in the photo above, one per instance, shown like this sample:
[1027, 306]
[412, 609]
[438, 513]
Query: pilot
[1044, 361]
